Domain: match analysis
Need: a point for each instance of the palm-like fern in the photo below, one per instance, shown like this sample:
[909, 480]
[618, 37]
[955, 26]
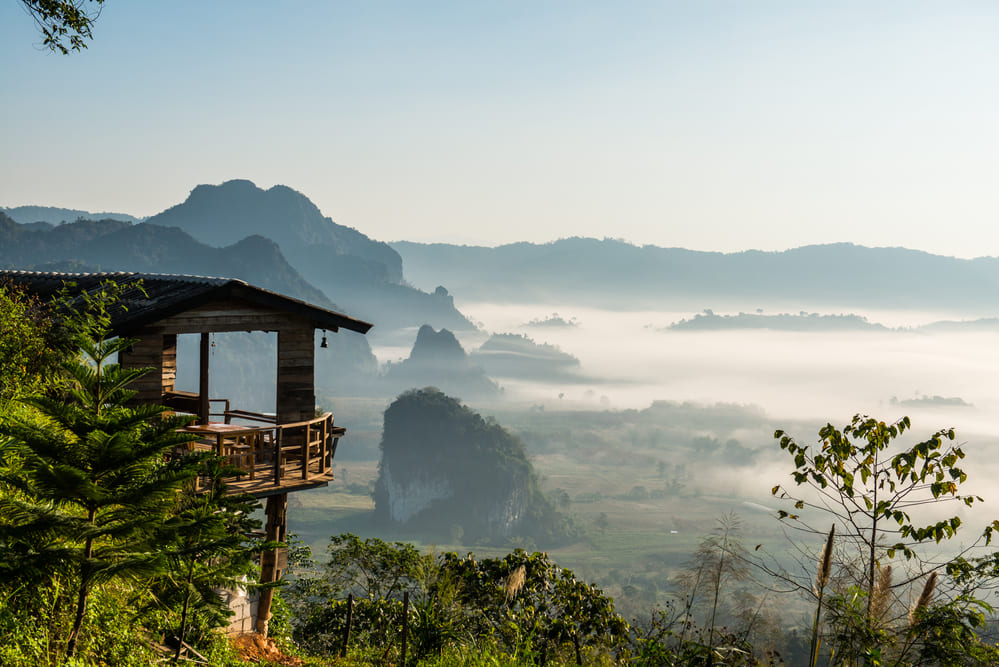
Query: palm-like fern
[94, 480]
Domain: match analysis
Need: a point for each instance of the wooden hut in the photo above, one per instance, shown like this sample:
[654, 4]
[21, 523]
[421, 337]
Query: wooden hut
[276, 453]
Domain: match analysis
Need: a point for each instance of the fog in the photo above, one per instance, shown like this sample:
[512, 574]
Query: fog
[630, 359]
[800, 380]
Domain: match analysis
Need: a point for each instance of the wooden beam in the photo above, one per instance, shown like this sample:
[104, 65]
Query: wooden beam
[222, 317]
[203, 405]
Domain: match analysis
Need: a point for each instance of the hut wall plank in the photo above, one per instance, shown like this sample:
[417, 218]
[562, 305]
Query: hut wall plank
[296, 398]
[147, 352]
[169, 367]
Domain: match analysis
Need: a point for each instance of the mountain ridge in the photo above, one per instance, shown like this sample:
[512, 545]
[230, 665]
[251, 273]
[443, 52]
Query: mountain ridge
[364, 276]
[613, 274]
[216, 214]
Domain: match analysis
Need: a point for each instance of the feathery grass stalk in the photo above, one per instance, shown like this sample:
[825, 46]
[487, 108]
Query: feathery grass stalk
[821, 579]
[924, 598]
[880, 600]
[688, 605]
[515, 582]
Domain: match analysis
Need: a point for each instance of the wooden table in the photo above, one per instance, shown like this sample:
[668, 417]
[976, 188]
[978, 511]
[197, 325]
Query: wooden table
[237, 444]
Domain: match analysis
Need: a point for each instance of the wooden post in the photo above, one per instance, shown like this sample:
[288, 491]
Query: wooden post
[346, 630]
[150, 351]
[324, 446]
[296, 401]
[272, 561]
[278, 440]
[405, 625]
[169, 362]
[203, 408]
[296, 375]
[296, 391]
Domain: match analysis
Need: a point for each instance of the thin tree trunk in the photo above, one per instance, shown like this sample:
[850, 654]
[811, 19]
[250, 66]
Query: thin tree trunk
[346, 630]
[183, 613]
[874, 542]
[717, 592]
[405, 625]
[81, 599]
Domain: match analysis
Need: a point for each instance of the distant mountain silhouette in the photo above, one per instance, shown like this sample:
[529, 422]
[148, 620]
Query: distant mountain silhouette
[221, 214]
[935, 400]
[518, 356]
[109, 245]
[553, 320]
[49, 214]
[981, 324]
[362, 275]
[438, 359]
[614, 274]
[709, 321]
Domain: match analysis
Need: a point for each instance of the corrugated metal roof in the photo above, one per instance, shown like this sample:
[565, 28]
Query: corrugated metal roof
[149, 297]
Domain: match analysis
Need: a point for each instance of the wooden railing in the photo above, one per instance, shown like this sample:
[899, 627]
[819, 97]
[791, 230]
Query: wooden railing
[281, 455]
[189, 402]
[308, 442]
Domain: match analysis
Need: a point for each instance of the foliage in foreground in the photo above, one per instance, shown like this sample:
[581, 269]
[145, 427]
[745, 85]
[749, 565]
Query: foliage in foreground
[523, 605]
[104, 547]
[879, 599]
[104, 554]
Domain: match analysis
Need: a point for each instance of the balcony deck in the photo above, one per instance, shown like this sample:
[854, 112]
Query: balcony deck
[271, 459]
[262, 486]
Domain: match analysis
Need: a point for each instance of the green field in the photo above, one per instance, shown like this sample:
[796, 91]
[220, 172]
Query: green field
[643, 491]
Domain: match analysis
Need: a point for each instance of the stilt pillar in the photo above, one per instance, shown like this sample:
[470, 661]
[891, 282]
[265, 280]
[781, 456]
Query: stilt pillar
[274, 561]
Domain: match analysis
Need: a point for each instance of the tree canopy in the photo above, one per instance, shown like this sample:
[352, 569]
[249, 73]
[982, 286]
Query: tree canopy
[65, 25]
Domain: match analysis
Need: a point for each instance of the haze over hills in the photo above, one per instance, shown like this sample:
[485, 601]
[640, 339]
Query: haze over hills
[362, 275]
[615, 274]
[438, 359]
[279, 240]
[709, 321]
[109, 245]
[365, 278]
[52, 215]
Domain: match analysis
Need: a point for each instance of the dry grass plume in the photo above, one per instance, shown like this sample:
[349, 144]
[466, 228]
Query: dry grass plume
[515, 582]
[924, 598]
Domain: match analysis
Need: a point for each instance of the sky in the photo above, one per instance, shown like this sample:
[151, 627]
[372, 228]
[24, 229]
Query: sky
[710, 125]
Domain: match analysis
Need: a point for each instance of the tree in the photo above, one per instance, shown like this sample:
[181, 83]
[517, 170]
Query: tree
[720, 560]
[532, 604]
[65, 24]
[371, 567]
[877, 492]
[376, 572]
[524, 603]
[869, 487]
[207, 549]
[28, 351]
[89, 481]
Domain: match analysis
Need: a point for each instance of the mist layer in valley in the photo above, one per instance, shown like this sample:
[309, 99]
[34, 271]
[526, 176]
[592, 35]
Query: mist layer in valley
[629, 359]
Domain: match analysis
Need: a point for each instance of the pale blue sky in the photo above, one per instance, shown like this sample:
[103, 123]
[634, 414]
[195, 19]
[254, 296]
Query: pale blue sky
[709, 125]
